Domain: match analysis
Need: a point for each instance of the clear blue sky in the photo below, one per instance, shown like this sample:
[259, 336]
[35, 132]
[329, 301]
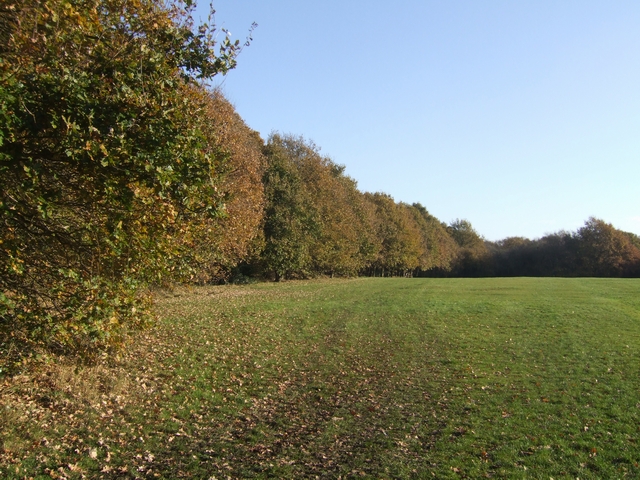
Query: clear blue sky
[521, 116]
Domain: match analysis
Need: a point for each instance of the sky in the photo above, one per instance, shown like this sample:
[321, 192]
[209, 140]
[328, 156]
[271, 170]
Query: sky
[522, 117]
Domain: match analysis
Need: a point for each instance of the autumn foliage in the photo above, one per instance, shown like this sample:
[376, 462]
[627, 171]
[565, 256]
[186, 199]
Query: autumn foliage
[109, 171]
[121, 170]
[318, 223]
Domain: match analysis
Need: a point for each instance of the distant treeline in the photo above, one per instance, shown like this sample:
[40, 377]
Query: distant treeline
[595, 250]
[120, 170]
[318, 223]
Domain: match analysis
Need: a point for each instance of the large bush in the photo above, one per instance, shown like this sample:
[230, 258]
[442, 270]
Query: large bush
[106, 171]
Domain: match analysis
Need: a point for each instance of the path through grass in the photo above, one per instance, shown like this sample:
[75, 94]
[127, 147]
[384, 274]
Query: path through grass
[379, 378]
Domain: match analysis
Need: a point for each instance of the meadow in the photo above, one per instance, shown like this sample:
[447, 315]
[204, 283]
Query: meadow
[361, 378]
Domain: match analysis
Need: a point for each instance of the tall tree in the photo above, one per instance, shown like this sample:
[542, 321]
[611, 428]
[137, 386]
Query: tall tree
[399, 236]
[317, 222]
[473, 251]
[438, 249]
[337, 243]
[104, 166]
[606, 251]
[237, 233]
[290, 219]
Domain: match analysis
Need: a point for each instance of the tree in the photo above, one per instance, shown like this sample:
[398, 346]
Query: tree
[511, 257]
[290, 220]
[605, 251]
[438, 249]
[316, 222]
[556, 255]
[339, 244]
[473, 251]
[105, 169]
[399, 236]
[237, 234]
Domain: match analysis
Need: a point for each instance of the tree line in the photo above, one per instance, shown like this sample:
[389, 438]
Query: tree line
[318, 223]
[121, 169]
[595, 250]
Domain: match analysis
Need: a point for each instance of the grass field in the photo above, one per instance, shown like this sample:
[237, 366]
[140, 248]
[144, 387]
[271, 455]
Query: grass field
[377, 378]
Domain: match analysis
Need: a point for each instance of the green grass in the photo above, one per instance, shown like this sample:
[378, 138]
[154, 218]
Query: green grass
[378, 378]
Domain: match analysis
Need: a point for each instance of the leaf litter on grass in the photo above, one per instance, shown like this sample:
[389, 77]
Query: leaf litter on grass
[336, 379]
